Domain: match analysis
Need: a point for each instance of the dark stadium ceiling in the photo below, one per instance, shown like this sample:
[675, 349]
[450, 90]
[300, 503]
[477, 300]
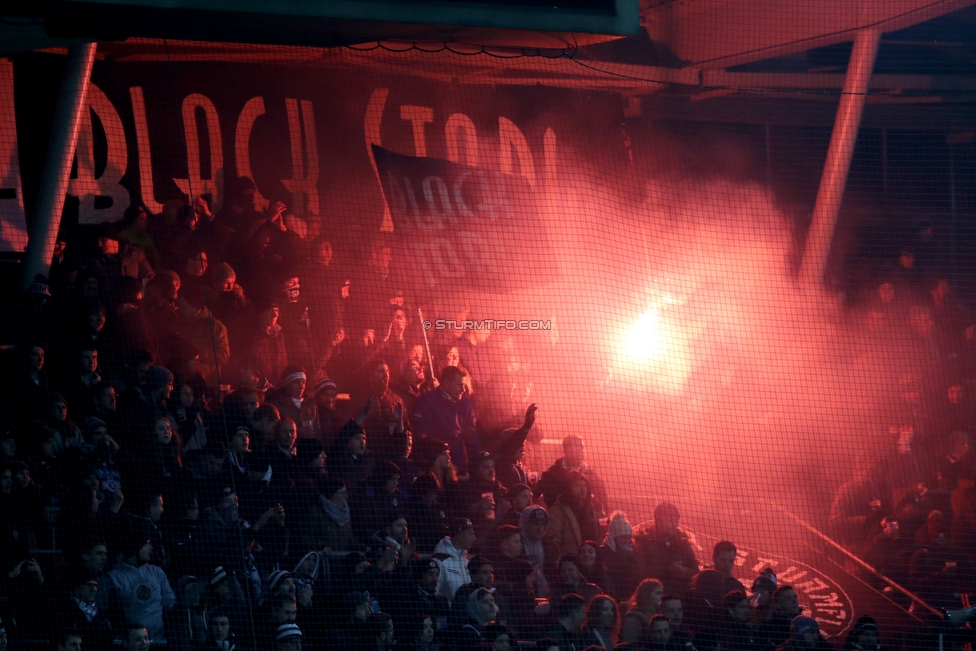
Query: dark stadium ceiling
[749, 60]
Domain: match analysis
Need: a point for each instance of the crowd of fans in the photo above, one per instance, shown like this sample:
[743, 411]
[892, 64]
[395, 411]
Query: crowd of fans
[216, 439]
[910, 510]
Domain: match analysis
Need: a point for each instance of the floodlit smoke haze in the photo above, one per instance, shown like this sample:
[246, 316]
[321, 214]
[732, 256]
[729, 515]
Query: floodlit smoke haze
[693, 364]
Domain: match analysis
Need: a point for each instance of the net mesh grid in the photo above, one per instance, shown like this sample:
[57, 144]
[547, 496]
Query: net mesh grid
[406, 344]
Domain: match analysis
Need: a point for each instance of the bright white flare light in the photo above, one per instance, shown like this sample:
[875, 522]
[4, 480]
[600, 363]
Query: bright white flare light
[645, 341]
[654, 353]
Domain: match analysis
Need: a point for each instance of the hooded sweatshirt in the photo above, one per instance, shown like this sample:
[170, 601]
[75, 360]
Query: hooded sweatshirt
[454, 568]
[144, 593]
[535, 552]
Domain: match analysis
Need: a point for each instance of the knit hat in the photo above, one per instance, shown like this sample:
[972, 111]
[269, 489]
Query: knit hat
[383, 472]
[324, 384]
[460, 526]
[356, 599]
[521, 568]
[292, 373]
[802, 624]
[329, 486]
[286, 631]
[39, 286]
[277, 577]
[426, 450]
[157, 377]
[216, 494]
[619, 525]
[307, 449]
[91, 424]
[348, 431]
[223, 272]
[219, 574]
[865, 623]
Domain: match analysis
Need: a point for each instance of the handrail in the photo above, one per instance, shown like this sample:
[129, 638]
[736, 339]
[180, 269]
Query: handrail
[854, 557]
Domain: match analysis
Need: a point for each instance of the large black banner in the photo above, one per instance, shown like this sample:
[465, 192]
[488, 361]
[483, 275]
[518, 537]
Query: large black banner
[473, 165]
[460, 224]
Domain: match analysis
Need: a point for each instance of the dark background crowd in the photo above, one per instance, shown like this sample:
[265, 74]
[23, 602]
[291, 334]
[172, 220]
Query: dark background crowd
[217, 434]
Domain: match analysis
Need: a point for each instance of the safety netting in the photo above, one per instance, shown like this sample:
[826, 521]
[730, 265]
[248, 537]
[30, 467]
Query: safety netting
[451, 347]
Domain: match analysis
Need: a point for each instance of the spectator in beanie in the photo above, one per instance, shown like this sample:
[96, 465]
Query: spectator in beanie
[763, 587]
[433, 456]
[666, 552]
[805, 634]
[328, 421]
[379, 503]
[309, 468]
[225, 595]
[428, 521]
[510, 450]
[417, 596]
[282, 610]
[349, 458]
[452, 554]
[291, 391]
[521, 610]
[518, 498]
[864, 636]
[481, 493]
[500, 637]
[228, 303]
[79, 611]
[289, 638]
[351, 633]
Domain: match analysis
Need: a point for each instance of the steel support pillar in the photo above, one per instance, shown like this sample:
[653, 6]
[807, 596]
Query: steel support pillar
[72, 100]
[839, 156]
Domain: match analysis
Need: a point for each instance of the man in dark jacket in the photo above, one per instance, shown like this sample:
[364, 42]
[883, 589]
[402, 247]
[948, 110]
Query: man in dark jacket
[666, 551]
[447, 414]
[555, 481]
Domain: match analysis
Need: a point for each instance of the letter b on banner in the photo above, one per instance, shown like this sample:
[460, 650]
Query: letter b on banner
[101, 198]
